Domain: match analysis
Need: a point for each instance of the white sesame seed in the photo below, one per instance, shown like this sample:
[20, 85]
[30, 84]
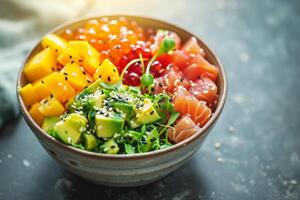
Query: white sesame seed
[217, 145]
[231, 129]
[220, 160]
[26, 163]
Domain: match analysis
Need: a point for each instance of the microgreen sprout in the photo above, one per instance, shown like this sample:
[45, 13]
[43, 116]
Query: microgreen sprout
[166, 45]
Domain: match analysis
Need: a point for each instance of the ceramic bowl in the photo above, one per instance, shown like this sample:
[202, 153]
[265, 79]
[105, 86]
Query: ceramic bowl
[126, 170]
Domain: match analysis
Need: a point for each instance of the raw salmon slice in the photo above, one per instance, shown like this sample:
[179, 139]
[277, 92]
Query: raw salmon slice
[205, 90]
[183, 129]
[192, 46]
[187, 104]
[200, 67]
[170, 81]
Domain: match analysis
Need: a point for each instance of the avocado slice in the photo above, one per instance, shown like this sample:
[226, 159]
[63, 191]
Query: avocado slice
[134, 123]
[125, 108]
[49, 123]
[107, 126]
[110, 147]
[69, 129]
[91, 89]
[145, 114]
[90, 141]
[96, 99]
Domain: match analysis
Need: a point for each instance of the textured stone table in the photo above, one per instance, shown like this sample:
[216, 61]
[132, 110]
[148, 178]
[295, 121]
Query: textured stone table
[253, 152]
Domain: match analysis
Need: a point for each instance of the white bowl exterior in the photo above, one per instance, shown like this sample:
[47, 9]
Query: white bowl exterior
[126, 172]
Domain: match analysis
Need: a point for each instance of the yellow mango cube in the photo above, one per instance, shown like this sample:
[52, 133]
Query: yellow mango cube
[107, 72]
[84, 48]
[58, 85]
[41, 89]
[28, 94]
[90, 65]
[36, 114]
[57, 43]
[40, 65]
[69, 55]
[50, 106]
[76, 76]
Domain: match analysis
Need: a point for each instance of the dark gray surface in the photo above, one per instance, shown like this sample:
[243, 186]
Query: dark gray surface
[258, 43]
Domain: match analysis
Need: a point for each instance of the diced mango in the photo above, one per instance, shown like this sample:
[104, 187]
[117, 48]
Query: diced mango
[108, 72]
[90, 65]
[76, 76]
[84, 49]
[69, 55]
[41, 89]
[36, 114]
[57, 43]
[40, 65]
[29, 95]
[50, 106]
[59, 87]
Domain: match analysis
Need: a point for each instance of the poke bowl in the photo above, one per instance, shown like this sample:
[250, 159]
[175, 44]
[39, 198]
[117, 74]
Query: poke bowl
[121, 100]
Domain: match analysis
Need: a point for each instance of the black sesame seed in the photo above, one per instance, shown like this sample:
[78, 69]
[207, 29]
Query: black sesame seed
[160, 84]
[152, 112]
[66, 78]
[45, 101]
[51, 95]
[72, 61]
[117, 46]
[113, 146]
[83, 72]
[85, 87]
[88, 81]
[65, 73]
[53, 69]
[114, 70]
[56, 50]
[181, 79]
[42, 81]
[70, 57]
[108, 79]
[99, 76]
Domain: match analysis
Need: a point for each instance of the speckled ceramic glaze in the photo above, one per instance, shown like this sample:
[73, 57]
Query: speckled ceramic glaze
[126, 170]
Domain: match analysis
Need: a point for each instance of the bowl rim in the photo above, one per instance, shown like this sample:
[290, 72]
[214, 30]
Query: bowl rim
[93, 155]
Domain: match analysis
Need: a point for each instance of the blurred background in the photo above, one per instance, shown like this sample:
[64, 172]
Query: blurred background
[252, 153]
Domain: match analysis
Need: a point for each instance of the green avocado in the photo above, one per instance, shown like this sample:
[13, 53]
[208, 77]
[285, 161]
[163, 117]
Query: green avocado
[90, 89]
[125, 108]
[110, 147]
[134, 123]
[145, 114]
[90, 141]
[107, 126]
[69, 129]
[96, 99]
[49, 123]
